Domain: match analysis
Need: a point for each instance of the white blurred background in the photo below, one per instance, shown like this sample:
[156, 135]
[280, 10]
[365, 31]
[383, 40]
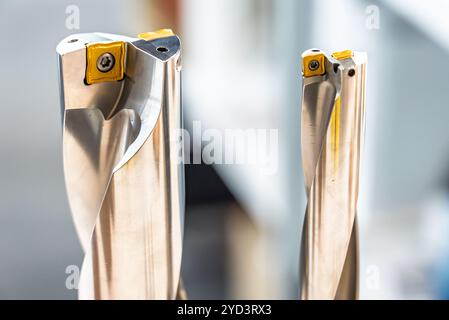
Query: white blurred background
[241, 69]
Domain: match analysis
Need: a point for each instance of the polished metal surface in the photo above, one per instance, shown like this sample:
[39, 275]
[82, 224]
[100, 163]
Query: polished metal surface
[332, 131]
[122, 168]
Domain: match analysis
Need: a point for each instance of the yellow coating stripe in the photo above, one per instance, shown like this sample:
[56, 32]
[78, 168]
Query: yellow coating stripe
[335, 133]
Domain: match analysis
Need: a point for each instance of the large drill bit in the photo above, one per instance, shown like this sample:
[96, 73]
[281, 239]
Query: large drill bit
[332, 131]
[121, 112]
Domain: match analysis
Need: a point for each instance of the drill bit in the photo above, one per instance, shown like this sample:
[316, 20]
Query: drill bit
[122, 116]
[332, 132]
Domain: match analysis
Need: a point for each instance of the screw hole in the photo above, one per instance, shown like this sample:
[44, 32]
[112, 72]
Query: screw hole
[72, 40]
[162, 49]
[315, 50]
[351, 72]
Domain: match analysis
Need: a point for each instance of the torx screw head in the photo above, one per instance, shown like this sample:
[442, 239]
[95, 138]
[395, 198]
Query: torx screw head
[314, 65]
[105, 62]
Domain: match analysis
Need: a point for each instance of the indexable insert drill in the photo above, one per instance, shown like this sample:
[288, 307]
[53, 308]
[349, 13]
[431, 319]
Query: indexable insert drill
[332, 134]
[121, 115]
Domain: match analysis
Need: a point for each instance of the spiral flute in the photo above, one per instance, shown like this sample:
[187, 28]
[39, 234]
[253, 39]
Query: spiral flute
[332, 132]
[121, 113]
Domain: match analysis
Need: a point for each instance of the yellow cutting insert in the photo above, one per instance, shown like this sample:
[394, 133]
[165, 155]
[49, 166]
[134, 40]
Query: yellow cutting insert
[342, 55]
[313, 63]
[105, 53]
[162, 33]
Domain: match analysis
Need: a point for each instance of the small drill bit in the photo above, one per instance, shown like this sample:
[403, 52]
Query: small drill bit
[332, 132]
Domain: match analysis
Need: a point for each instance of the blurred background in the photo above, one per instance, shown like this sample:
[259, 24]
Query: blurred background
[241, 69]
